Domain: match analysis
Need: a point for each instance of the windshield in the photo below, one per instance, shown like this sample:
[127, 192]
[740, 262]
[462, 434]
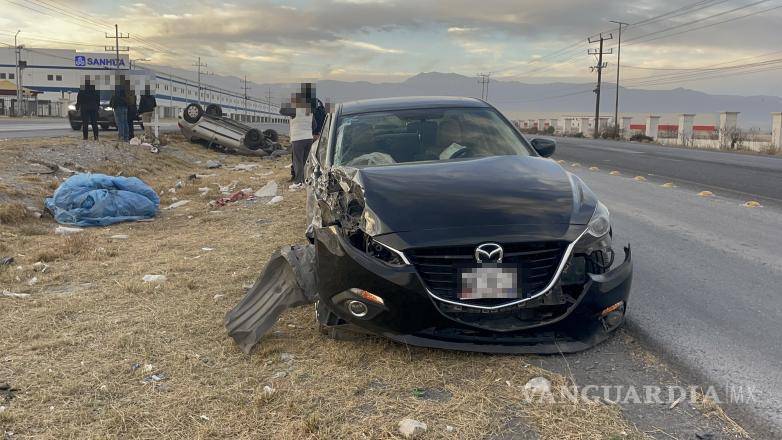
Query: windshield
[403, 136]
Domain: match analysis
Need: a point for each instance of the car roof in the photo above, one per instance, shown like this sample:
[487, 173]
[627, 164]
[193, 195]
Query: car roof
[408, 102]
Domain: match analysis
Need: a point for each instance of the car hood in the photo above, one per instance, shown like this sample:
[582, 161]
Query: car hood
[474, 193]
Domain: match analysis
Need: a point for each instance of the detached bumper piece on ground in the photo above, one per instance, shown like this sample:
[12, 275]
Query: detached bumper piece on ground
[436, 223]
[224, 133]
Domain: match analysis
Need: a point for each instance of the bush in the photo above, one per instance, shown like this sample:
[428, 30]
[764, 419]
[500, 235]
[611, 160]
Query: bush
[610, 133]
[578, 135]
[550, 130]
[638, 137]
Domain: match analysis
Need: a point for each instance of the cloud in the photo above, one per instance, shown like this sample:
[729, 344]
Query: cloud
[369, 46]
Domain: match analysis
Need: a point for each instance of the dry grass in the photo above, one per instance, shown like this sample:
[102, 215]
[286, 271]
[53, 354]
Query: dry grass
[71, 347]
[13, 213]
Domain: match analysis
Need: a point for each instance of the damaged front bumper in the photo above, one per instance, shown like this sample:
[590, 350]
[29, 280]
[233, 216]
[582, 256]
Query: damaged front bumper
[366, 295]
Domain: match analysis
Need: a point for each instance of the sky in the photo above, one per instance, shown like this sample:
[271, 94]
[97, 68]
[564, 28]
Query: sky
[535, 41]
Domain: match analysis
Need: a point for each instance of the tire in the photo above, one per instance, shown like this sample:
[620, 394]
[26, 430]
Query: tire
[271, 135]
[76, 126]
[253, 139]
[193, 113]
[214, 110]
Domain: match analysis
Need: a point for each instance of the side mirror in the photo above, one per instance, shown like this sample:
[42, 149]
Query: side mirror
[544, 146]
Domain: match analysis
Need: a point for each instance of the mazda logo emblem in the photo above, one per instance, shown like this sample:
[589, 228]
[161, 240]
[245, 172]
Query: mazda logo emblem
[488, 253]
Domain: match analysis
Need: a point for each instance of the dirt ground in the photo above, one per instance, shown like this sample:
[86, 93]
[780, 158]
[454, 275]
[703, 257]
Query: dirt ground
[80, 352]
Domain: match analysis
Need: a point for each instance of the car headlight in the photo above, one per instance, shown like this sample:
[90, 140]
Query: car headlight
[600, 223]
[108, 109]
[71, 106]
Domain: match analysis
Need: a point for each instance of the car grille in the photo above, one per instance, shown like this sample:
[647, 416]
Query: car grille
[438, 267]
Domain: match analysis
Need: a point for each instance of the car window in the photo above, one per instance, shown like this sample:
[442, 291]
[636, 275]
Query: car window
[323, 143]
[403, 136]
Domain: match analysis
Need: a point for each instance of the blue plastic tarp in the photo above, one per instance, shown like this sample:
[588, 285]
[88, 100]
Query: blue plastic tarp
[100, 200]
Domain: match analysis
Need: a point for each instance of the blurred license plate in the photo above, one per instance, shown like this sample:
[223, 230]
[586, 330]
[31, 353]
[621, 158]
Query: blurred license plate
[489, 282]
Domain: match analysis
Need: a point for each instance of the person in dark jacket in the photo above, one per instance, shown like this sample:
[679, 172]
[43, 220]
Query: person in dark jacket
[146, 107]
[88, 102]
[119, 104]
[132, 110]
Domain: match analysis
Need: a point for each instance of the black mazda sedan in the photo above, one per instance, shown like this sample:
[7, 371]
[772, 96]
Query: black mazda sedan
[436, 223]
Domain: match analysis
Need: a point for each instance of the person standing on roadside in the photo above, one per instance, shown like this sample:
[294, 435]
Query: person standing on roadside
[88, 102]
[302, 130]
[118, 102]
[146, 108]
[132, 110]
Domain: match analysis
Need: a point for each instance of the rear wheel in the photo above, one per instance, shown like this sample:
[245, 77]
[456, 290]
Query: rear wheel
[214, 110]
[193, 113]
[271, 135]
[253, 139]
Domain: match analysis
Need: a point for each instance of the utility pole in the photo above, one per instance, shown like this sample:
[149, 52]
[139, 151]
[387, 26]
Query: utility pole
[269, 98]
[18, 75]
[484, 79]
[116, 48]
[199, 65]
[131, 62]
[618, 55]
[245, 88]
[599, 67]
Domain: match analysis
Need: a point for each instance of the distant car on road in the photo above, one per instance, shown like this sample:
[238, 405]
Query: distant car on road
[105, 116]
[437, 223]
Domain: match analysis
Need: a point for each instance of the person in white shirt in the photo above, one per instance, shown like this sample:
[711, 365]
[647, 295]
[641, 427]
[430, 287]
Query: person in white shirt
[300, 110]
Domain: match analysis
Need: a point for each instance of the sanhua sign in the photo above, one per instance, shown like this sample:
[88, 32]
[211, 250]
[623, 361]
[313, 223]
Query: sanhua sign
[85, 61]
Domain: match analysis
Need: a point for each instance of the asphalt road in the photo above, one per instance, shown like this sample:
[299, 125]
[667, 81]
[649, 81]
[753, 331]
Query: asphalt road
[47, 127]
[756, 177]
[707, 290]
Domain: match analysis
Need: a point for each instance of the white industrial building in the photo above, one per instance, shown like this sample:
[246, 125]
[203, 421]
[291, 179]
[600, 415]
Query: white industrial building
[50, 80]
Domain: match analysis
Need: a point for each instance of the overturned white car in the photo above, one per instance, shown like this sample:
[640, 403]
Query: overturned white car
[225, 134]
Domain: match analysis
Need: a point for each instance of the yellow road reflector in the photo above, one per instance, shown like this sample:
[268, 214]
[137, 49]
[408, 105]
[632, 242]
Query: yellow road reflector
[575, 164]
[705, 193]
[667, 185]
[640, 178]
[752, 204]
[594, 169]
[560, 161]
[615, 173]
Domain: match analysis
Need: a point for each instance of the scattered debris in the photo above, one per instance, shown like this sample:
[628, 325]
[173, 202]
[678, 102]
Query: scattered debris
[538, 385]
[204, 176]
[6, 261]
[286, 357]
[279, 375]
[65, 230]
[235, 197]
[119, 237]
[207, 249]
[227, 189]
[268, 391]
[154, 378]
[32, 281]
[204, 418]
[752, 204]
[178, 204]
[10, 294]
[705, 194]
[135, 141]
[178, 184]
[40, 266]
[410, 428]
[218, 297]
[154, 278]
[676, 402]
[211, 164]
[449, 428]
[275, 200]
[268, 190]
[204, 191]
[245, 166]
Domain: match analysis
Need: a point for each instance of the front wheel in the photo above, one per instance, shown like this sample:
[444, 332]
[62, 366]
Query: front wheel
[193, 113]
